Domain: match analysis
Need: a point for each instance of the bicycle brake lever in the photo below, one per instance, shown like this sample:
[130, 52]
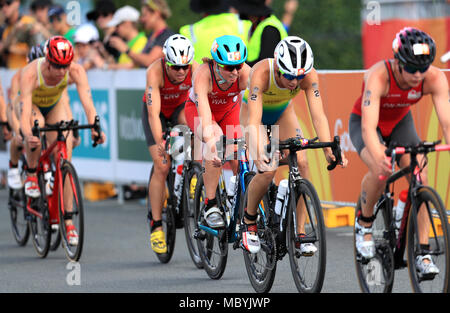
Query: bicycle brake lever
[336, 148]
[35, 131]
[98, 129]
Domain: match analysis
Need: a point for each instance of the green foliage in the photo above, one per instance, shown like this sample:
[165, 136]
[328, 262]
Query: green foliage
[331, 27]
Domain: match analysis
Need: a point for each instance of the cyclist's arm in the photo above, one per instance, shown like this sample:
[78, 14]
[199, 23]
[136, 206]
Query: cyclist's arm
[258, 83]
[194, 66]
[27, 84]
[2, 105]
[438, 86]
[202, 86]
[153, 99]
[319, 119]
[79, 77]
[375, 85]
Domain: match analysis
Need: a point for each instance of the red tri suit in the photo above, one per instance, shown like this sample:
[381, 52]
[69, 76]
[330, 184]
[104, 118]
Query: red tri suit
[395, 105]
[172, 95]
[224, 105]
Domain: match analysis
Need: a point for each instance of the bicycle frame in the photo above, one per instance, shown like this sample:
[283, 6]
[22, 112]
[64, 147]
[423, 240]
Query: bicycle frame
[243, 169]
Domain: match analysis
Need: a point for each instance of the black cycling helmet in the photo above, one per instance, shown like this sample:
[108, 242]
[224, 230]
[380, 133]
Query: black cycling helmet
[412, 46]
[36, 52]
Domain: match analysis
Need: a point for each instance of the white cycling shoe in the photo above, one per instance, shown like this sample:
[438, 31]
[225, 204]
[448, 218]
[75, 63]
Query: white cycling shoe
[365, 247]
[14, 179]
[250, 238]
[213, 217]
[426, 268]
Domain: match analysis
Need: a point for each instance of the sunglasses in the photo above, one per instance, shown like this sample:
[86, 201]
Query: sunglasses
[411, 69]
[292, 77]
[178, 67]
[58, 66]
[231, 68]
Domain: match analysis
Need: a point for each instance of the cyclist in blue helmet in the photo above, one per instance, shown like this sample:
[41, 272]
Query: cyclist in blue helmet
[214, 103]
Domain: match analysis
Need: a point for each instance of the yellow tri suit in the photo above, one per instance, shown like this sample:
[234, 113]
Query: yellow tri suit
[46, 97]
[275, 99]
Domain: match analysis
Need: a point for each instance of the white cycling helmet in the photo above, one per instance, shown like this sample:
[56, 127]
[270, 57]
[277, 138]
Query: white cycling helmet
[294, 56]
[178, 50]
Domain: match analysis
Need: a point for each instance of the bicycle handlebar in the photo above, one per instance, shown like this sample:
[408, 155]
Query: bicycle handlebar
[66, 126]
[422, 148]
[297, 143]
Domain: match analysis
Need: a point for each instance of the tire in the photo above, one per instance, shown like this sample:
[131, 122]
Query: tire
[168, 219]
[213, 249]
[71, 194]
[261, 267]
[17, 204]
[308, 271]
[377, 275]
[428, 201]
[190, 181]
[40, 226]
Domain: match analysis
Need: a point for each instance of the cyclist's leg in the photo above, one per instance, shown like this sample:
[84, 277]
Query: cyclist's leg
[14, 179]
[405, 132]
[290, 127]
[31, 184]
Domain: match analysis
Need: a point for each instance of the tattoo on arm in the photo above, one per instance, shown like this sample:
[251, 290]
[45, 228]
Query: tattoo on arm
[367, 100]
[254, 94]
[316, 90]
[149, 96]
[196, 100]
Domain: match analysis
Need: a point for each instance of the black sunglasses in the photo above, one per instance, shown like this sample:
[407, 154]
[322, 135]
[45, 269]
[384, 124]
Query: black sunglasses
[178, 67]
[58, 66]
[411, 69]
[231, 68]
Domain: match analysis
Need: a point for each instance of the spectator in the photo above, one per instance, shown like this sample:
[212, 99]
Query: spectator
[41, 27]
[217, 21]
[125, 20]
[290, 7]
[15, 38]
[102, 15]
[58, 19]
[86, 52]
[154, 14]
[266, 31]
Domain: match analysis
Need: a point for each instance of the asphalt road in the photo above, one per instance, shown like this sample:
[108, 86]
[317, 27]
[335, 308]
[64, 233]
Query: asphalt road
[117, 258]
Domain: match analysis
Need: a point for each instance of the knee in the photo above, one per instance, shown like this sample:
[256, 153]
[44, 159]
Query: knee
[160, 170]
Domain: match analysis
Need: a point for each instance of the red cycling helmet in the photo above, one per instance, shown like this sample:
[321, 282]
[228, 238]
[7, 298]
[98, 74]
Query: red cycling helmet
[59, 51]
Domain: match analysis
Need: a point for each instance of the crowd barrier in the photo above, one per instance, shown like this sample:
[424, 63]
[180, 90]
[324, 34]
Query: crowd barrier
[124, 158]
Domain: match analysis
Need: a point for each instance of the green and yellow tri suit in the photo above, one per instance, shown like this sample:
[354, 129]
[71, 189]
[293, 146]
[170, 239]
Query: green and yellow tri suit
[46, 97]
[275, 99]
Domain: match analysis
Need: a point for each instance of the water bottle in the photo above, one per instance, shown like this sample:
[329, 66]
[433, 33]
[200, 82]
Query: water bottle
[178, 176]
[281, 194]
[400, 208]
[48, 176]
[177, 145]
[232, 187]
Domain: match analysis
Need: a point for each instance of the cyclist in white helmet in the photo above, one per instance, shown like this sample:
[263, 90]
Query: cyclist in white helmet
[168, 82]
[273, 83]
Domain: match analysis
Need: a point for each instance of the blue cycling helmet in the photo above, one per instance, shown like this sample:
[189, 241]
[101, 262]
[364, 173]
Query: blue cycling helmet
[229, 50]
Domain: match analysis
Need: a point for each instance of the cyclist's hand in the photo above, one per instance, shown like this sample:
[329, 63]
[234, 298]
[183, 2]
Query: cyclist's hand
[216, 161]
[7, 134]
[384, 167]
[264, 164]
[32, 142]
[162, 149]
[98, 139]
[331, 158]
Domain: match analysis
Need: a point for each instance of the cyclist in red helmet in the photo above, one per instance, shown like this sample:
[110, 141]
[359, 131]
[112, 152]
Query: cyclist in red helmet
[382, 115]
[42, 83]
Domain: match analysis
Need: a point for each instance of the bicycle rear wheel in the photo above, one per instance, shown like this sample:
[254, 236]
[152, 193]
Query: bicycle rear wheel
[167, 218]
[17, 204]
[190, 181]
[39, 222]
[428, 205]
[70, 208]
[261, 267]
[308, 271]
[213, 248]
[376, 275]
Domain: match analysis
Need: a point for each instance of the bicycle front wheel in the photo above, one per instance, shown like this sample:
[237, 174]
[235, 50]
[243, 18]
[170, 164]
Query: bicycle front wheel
[212, 243]
[71, 212]
[428, 225]
[190, 181]
[308, 268]
[261, 267]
